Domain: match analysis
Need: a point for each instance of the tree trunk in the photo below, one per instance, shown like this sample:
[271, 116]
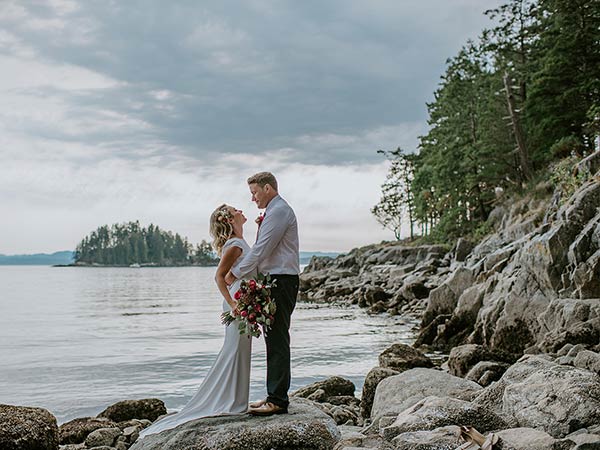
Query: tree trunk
[517, 130]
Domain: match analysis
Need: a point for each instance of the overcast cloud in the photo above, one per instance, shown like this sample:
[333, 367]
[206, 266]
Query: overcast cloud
[158, 111]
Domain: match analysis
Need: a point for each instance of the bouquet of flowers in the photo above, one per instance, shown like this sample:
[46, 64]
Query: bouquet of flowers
[255, 308]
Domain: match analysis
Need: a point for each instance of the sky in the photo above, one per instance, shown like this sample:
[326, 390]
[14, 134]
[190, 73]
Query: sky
[156, 111]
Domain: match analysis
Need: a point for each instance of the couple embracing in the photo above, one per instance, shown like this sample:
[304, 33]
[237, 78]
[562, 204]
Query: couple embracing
[225, 389]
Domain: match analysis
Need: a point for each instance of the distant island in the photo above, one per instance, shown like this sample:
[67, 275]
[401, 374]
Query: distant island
[129, 244]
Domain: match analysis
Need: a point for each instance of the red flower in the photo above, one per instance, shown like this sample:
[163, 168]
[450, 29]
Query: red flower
[237, 295]
[259, 219]
[252, 285]
[244, 313]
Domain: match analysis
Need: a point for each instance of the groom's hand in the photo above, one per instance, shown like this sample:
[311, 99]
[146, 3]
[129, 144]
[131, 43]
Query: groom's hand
[229, 278]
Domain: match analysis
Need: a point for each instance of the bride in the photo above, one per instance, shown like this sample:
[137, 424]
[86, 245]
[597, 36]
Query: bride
[225, 388]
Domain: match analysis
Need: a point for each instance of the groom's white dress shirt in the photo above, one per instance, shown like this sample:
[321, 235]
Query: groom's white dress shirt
[277, 248]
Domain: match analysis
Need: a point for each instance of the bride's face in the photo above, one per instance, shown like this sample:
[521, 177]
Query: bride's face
[237, 215]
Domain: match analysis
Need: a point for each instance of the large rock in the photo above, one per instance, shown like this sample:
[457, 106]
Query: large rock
[76, 430]
[102, 437]
[399, 392]
[585, 441]
[403, 357]
[462, 249]
[486, 372]
[373, 378]
[588, 360]
[463, 357]
[491, 397]
[570, 321]
[559, 400]
[536, 392]
[532, 439]
[304, 428]
[148, 408]
[443, 299]
[435, 412]
[444, 438]
[331, 387]
[25, 428]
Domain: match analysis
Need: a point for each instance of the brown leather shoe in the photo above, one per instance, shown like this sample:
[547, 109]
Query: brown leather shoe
[257, 404]
[268, 409]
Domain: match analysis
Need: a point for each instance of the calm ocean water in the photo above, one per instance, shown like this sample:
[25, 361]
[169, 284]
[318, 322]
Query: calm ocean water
[75, 340]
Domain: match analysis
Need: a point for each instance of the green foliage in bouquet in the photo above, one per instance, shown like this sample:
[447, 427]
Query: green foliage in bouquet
[255, 307]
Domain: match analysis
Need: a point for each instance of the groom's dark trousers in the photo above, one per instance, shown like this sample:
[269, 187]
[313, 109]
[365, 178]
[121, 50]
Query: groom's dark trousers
[278, 339]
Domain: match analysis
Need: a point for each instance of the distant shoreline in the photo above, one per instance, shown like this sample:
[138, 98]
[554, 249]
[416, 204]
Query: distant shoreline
[65, 259]
[133, 266]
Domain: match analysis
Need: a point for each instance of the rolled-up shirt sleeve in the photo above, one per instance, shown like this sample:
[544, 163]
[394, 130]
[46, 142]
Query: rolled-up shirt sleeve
[272, 230]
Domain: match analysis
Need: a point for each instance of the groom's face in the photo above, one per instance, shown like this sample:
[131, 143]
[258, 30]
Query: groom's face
[259, 195]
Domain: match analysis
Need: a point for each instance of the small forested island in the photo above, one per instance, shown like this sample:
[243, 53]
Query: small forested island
[131, 244]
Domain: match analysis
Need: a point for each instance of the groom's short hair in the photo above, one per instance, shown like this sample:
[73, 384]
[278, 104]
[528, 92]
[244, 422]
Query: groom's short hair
[263, 178]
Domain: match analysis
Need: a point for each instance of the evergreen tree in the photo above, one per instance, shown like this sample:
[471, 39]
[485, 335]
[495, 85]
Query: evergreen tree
[397, 200]
[566, 82]
[129, 243]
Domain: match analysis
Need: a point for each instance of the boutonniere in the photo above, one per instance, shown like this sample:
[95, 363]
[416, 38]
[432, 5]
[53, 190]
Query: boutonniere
[260, 219]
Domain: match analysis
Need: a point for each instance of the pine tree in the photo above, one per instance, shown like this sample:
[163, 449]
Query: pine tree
[566, 82]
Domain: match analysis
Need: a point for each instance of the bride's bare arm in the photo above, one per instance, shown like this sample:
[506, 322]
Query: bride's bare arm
[227, 260]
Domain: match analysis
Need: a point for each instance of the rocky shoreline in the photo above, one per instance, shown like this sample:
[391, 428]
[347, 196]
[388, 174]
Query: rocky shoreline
[518, 315]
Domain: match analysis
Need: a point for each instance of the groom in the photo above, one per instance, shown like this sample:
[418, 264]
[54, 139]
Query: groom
[276, 252]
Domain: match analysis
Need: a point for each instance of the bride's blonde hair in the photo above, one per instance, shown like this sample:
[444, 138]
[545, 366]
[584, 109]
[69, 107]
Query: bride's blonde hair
[220, 227]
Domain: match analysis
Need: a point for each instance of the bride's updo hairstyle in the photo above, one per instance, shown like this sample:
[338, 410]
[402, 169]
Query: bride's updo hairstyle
[220, 227]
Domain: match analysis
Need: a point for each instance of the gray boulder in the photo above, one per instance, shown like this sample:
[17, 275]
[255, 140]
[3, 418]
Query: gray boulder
[76, 430]
[25, 428]
[463, 357]
[304, 428]
[462, 249]
[558, 399]
[588, 360]
[331, 387]
[399, 392]
[585, 440]
[444, 438]
[434, 412]
[532, 439]
[491, 397]
[570, 321]
[442, 300]
[538, 393]
[486, 372]
[102, 437]
[148, 408]
[403, 357]
[373, 378]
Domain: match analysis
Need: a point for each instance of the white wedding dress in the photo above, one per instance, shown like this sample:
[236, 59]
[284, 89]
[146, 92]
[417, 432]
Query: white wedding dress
[226, 387]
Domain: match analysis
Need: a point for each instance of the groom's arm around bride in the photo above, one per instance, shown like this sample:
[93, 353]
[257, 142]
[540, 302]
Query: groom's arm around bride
[276, 252]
